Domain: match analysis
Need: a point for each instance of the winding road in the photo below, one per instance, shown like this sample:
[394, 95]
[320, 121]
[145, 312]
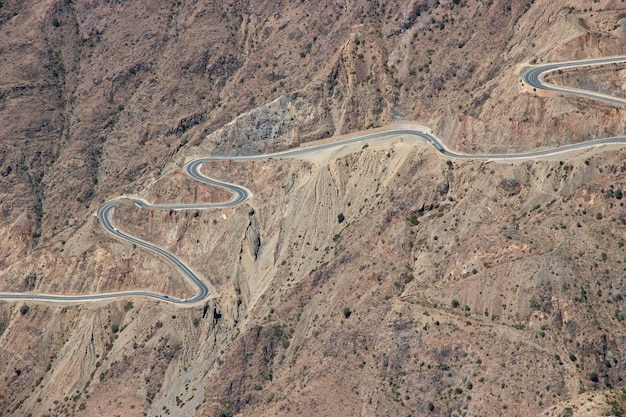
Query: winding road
[533, 77]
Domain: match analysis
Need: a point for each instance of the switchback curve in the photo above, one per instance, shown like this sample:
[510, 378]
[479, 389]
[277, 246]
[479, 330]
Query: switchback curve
[533, 77]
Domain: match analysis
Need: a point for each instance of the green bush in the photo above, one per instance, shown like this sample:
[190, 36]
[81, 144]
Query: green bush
[413, 220]
[534, 305]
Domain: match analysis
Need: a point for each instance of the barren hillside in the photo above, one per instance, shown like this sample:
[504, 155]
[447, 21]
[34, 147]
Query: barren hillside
[383, 280]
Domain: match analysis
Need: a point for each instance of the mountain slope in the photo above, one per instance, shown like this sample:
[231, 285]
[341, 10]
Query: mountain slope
[449, 288]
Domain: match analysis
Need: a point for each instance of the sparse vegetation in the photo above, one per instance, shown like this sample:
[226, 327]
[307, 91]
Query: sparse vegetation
[534, 304]
[369, 315]
[413, 220]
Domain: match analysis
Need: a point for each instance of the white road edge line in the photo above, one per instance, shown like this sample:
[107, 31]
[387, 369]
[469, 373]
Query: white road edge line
[532, 76]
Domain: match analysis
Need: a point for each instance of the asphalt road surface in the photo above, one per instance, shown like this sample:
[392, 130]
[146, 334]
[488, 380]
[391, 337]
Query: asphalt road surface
[532, 76]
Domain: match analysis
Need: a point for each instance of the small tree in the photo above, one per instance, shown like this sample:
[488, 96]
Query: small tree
[413, 220]
[24, 309]
[347, 312]
[340, 217]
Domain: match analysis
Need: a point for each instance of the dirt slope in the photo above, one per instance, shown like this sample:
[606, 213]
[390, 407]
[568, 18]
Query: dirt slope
[449, 288]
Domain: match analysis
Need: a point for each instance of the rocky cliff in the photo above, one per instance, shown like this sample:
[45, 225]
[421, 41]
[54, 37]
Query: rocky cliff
[448, 287]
